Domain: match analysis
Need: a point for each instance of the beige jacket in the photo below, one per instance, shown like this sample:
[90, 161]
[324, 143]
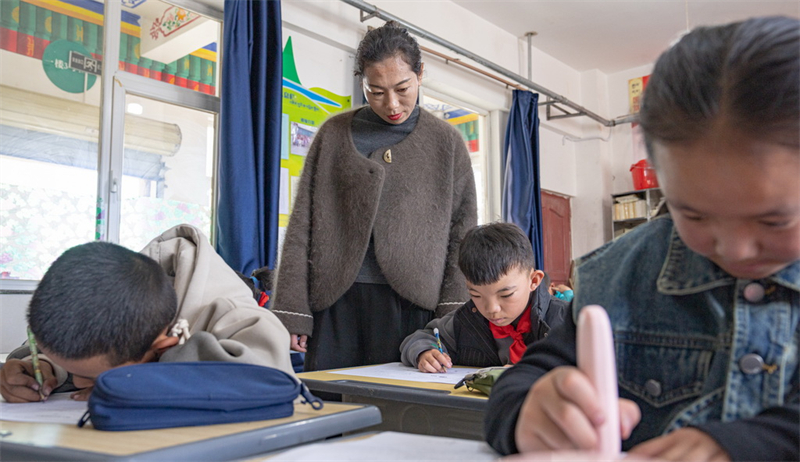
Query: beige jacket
[225, 322]
[417, 202]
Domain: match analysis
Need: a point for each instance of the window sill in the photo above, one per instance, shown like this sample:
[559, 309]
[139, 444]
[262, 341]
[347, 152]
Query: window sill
[17, 286]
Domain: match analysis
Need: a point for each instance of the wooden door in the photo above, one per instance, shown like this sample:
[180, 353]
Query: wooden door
[557, 236]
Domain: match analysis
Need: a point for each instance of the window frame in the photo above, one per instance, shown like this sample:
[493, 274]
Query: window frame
[116, 84]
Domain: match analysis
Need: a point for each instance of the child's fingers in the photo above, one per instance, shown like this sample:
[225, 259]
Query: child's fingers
[82, 394]
[574, 386]
[17, 384]
[551, 418]
[629, 417]
[442, 358]
[50, 381]
[19, 394]
[298, 343]
[682, 444]
[18, 373]
[428, 362]
[573, 429]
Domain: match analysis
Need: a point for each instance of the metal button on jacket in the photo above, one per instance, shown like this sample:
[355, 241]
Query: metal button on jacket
[653, 388]
[387, 156]
[754, 292]
[751, 363]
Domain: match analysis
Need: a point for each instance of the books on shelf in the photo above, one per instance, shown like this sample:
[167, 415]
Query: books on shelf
[625, 209]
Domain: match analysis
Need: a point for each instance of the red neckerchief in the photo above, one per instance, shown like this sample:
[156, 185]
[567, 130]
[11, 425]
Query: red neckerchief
[523, 327]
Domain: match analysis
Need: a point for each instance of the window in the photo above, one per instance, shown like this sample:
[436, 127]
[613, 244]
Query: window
[58, 186]
[471, 125]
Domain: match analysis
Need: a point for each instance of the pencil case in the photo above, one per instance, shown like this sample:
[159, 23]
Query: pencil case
[182, 394]
[481, 380]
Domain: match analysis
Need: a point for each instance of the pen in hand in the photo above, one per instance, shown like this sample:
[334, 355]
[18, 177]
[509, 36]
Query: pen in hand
[37, 370]
[439, 345]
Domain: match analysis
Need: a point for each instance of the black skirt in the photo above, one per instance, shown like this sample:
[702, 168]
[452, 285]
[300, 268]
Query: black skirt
[365, 326]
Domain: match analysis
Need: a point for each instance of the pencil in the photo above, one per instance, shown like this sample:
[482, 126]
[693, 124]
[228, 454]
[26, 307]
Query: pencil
[37, 370]
[439, 345]
[438, 340]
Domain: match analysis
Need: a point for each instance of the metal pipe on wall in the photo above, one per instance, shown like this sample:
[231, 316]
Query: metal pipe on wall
[555, 98]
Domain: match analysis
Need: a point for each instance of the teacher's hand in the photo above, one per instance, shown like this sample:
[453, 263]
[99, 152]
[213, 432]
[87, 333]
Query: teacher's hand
[299, 343]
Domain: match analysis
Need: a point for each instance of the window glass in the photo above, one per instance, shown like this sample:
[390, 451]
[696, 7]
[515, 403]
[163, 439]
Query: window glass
[49, 124]
[167, 174]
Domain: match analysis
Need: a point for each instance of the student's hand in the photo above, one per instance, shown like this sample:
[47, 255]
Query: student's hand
[17, 382]
[685, 444]
[83, 394]
[299, 343]
[562, 411]
[434, 361]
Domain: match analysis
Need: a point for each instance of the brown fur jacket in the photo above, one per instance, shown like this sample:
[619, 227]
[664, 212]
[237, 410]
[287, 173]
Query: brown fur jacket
[417, 207]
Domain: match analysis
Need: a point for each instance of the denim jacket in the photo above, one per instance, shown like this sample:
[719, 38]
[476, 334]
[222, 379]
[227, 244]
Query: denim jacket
[694, 345]
[688, 340]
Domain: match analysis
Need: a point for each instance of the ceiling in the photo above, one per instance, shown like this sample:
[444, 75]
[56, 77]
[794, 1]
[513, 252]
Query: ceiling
[614, 35]
[608, 35]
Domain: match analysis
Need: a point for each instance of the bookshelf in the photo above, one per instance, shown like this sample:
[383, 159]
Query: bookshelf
[631, 209]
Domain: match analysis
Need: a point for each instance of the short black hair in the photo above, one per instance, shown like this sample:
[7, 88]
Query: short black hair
[100, 298]
[745, 73]
[488, 252]
[387, 41]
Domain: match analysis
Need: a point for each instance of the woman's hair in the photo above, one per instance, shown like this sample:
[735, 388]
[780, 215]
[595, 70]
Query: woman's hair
[385, 42]
[489, 252]
[100, 298]
[745, 75]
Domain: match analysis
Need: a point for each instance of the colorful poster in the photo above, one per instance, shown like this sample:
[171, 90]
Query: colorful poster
[304, 110]
[635, 90]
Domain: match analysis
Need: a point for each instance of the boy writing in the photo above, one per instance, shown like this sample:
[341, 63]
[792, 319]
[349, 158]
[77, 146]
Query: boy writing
[101, 306]
[508, 308]
[704, 302]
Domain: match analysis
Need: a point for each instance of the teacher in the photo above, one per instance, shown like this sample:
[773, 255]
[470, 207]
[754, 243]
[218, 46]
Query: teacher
[385, 196]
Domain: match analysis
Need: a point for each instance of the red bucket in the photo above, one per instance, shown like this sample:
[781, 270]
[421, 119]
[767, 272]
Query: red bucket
[644, 176]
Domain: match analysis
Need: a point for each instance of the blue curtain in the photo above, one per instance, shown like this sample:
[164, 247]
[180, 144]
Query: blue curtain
[250, 135]
[522, 194]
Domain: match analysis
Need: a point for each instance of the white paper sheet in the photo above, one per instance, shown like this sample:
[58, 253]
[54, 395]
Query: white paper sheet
[391, 446]
[398, 371]
[58, 408]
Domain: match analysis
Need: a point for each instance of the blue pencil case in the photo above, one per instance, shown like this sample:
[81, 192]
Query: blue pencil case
[161, 395]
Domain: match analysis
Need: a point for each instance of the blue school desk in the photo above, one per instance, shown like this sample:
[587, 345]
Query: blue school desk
[406, 406]
[42, 442]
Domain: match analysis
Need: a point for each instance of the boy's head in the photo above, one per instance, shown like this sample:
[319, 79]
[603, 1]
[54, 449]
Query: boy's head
[721, 119]
[99, 306]
[497, 262]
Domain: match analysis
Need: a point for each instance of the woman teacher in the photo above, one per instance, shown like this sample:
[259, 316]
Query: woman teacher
[386, 194]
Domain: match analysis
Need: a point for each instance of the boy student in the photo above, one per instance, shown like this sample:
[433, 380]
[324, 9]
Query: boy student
[509, 308]
[704, 302]
[101, 306]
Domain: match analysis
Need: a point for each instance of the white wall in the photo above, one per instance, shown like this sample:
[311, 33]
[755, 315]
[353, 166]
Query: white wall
[588, 171]
[12, 311]
[622, 142]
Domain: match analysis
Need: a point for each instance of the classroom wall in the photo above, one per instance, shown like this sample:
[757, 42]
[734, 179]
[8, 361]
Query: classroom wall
[12, 311]
[567, 168]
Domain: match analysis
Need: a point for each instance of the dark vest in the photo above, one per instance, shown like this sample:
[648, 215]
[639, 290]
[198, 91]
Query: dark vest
[476, 344]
